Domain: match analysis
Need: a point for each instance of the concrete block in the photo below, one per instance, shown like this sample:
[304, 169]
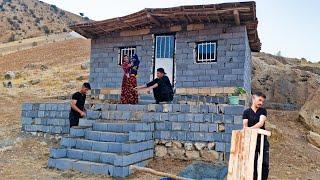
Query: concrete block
[226, 137]
[115, 147]
[237, 120]
[82, 166]
[228, 119]
[108, 158]
[77, 132]
[83, 144]
[57, 153]
[75, 154]
[207, 117]
[98, 168]
[93, 135]
[233, 110]
[213, 137]
[204, 127]
[121, 171]
[91, 156]
[200, 136]
[212, 127]
[63, 163]
[198, 117]
[230, 127]
[26, 121]
[220, 146]
[100, 146]
[195, 127]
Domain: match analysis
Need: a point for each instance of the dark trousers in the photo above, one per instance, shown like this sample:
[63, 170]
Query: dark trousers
[168, 97]
[265, 162]
[73, 119]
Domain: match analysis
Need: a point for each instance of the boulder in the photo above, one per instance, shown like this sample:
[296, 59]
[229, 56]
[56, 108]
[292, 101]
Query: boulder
[176, 144]
[188, 146]
[276, 132]
[211, 156]
[199, 146]
[211, 145]
[168, 144]
[34, 81]
[193, 154]
[9, 75]
[310, 113]
[176, 153]
[202, 170]
[161, 151]
[85, 65]
[44, 67]
[314, 138]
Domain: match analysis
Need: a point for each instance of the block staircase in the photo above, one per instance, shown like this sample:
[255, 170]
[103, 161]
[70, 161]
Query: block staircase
[114, 136]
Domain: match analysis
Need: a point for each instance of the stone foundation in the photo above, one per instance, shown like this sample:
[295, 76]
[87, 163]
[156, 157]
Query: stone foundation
[188, 150]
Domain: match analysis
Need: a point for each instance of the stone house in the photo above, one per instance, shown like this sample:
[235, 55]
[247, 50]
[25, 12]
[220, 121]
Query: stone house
[205, 49]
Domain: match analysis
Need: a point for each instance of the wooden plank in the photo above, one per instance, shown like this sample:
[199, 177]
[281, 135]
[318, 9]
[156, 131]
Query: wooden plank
[236, 17]
[135, 32]
[158, 173]
[250, 164]
[233, 154]
[260, 160]
[193, 27]
[245, 152]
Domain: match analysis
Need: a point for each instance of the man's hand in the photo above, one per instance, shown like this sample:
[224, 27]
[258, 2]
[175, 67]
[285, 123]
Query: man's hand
[82, 114]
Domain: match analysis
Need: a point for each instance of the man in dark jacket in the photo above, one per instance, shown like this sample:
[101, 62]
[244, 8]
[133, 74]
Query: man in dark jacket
[77, 105]
[161, 86]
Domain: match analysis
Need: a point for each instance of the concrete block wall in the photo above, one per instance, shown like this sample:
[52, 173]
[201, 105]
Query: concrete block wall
[230, 70]
[104, 68]
[51, 118]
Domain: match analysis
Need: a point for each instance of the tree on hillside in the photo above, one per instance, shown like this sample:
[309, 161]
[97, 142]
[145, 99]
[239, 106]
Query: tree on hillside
[279, 54]
[81, 14]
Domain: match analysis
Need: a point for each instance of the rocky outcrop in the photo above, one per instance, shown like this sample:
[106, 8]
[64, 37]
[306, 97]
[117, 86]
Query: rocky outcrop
[314, 139]
[287, 82]
[310, 112]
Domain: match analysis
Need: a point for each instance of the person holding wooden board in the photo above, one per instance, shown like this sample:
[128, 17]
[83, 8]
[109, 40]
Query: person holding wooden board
[255, 117]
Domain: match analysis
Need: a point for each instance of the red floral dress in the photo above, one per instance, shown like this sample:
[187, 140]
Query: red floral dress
[128, 94]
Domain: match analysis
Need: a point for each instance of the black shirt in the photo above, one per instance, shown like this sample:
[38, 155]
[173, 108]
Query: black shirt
[254, 117]
[164, 86]
[81, 99]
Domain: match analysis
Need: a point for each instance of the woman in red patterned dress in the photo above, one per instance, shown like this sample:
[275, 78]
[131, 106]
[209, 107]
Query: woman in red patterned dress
[128, 94]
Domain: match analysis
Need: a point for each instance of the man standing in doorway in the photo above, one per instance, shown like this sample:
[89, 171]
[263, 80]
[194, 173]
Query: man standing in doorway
[77, 105]
[255, 117]
[161, 86]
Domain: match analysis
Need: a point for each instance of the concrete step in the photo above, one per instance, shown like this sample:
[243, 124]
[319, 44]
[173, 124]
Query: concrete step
[107, 136]
[116, 159]
[150, 117]
[111, 147]
[91, 167]
[99, 109]
[79, 131]
[122, 126]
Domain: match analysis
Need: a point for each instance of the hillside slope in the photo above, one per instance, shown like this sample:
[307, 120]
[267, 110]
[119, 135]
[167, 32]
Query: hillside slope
[21, 19]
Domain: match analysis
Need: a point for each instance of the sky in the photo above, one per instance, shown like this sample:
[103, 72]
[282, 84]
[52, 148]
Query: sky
[289, 26]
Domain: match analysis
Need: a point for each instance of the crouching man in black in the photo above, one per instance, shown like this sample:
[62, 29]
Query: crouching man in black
[161, 86]
[77, 105]
[255, 117]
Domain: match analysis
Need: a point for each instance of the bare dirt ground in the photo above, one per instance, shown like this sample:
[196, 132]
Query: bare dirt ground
[25, 157]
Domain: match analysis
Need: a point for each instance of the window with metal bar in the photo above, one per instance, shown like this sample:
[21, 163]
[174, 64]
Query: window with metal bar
[129, 51]
[206, 52]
